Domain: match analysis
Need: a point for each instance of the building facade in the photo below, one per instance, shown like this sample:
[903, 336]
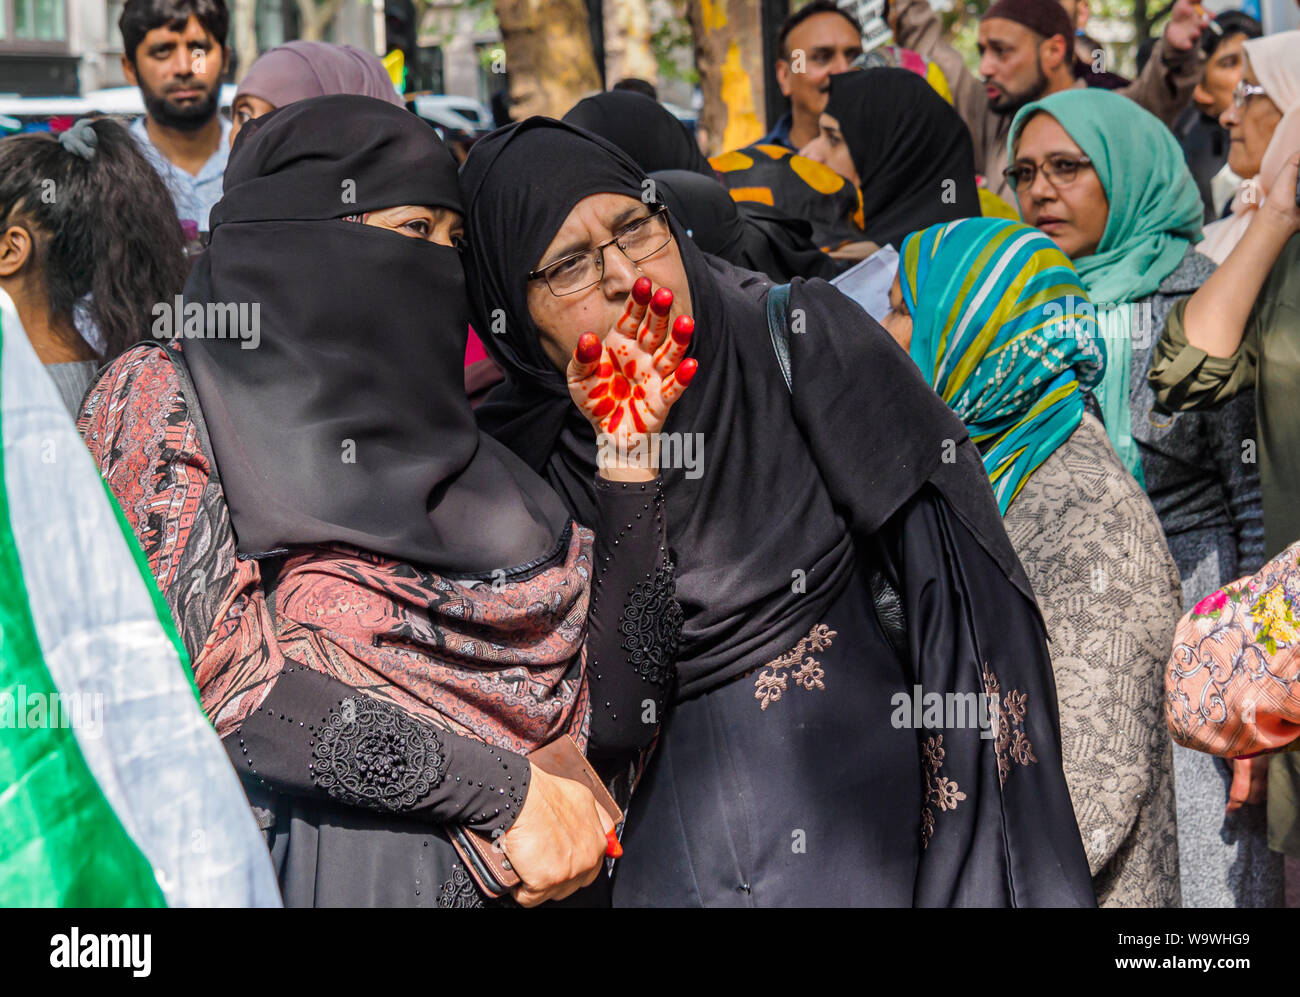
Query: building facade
[39, 41]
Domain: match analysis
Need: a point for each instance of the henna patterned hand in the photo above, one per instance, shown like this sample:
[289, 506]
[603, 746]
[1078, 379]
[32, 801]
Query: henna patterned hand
[626, 384]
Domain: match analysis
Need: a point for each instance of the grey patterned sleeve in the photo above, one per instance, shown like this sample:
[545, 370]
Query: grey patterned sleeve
[1108, 587]
[1234, 445]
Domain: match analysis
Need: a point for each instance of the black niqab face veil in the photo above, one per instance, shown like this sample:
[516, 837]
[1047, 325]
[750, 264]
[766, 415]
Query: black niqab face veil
[343, 418]
[912, 151]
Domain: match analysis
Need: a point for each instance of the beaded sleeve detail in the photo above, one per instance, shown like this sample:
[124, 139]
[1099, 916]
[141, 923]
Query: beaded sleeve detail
[635, 622]
[316, 736]
[651, 626]
[368, 753]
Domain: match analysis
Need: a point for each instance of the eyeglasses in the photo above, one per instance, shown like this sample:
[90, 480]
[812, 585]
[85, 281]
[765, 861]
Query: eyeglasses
[1059, 170]
[1242, 93]
[637, 241]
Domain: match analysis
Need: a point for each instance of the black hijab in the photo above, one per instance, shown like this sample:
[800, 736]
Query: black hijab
[751, 235]
[348, 422]
[912, 151]
[643, 128]
[743, 559]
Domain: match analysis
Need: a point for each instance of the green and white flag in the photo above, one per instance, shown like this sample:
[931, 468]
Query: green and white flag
[114, 790]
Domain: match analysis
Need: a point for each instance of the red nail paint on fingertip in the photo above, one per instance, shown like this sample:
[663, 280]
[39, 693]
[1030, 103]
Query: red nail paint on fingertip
[683, 330]
[589, 348]
[663, 300]
[641, 291]
[686, 371]
[613, 847]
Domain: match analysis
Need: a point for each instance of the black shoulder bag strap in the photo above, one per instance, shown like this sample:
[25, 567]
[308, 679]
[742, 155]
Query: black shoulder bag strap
[888, 604]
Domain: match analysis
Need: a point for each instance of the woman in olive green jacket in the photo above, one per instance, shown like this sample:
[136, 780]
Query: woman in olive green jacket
[1241, 329]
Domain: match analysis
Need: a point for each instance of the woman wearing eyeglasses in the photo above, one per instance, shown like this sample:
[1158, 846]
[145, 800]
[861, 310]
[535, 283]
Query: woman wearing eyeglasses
[1107, 182]
[1263, 123]
[820, 750]
[1241, 331]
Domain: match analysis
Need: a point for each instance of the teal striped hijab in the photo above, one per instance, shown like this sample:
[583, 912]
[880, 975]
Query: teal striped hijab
[1003, 330]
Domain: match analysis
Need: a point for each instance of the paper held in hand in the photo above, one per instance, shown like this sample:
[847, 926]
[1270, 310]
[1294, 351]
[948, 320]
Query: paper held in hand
[868, 282]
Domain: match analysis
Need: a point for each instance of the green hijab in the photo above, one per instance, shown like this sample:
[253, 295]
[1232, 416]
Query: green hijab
[1155, 215]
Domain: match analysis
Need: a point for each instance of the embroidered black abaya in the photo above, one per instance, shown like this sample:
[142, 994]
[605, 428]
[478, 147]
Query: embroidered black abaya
[787, 772]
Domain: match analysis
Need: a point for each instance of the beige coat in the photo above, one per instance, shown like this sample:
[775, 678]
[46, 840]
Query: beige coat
[1108, 587]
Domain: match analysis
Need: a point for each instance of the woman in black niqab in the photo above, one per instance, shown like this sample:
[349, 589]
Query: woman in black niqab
[387, 610]
[423, 483]
[787, 708]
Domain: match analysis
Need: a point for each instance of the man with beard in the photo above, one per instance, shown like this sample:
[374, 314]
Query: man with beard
[175, 52]
[815, 41]
[1027, 52]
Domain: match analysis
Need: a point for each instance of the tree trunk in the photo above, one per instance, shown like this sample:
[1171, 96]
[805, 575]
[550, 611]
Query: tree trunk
[316, 17]
[1145, 16]
[548, 55]
[627, 41]
[729, 58]
[244, 22]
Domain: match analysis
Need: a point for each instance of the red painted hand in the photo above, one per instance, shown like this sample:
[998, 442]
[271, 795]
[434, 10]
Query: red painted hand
[626, 384]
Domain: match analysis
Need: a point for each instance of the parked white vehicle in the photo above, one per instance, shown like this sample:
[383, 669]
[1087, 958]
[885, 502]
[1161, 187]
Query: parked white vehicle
[123, 102]
[454, 113]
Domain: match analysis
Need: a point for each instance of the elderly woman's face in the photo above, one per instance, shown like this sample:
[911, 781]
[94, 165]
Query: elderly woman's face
[436, 225]
[597, 218]
[1251, 128]
[1072, 214]
[246, 108]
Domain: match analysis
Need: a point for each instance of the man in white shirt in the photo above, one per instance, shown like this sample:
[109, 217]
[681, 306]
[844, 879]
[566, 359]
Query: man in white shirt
[175, 52]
